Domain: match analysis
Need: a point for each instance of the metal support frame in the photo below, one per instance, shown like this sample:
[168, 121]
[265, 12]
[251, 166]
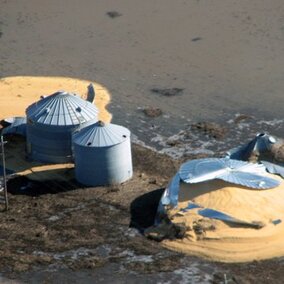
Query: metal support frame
[4, 173]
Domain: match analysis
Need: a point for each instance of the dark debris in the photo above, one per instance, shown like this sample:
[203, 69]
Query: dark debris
[113, 14]
[212, 129]
[152, 112]
[169, 92]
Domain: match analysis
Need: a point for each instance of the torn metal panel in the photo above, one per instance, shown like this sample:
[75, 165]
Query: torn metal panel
[274, 168]
[242, 170]
[190, 206]
[18, 125]
[276, 222]
[260, 144]
[233, 171]
[263, 148]
[215, 214]
[170, 196]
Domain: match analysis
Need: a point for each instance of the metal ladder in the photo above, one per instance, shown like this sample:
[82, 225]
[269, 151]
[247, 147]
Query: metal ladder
[3, 185]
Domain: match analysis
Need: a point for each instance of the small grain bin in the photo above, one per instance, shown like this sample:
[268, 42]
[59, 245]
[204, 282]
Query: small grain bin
[102, 154]
[51, 122]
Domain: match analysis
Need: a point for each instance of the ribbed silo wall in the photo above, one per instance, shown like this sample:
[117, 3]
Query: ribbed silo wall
[97, 166]
[51, 144]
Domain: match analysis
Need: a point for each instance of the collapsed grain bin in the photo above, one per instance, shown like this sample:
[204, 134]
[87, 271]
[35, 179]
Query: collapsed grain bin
[51, 122]
[15, 125]
[226, 209]
[102, 154]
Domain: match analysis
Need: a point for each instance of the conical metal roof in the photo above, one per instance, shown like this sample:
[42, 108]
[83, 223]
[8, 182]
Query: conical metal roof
[61, 109]
[101, 135]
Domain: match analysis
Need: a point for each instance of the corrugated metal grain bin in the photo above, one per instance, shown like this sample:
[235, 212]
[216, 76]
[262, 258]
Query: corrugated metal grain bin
[102, 154]
[51, 122]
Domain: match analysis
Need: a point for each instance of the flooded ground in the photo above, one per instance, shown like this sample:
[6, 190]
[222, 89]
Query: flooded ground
[181, 137]
[221, 57]
[189, 78]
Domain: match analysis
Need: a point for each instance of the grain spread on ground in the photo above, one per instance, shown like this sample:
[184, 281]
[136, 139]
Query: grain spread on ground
[17, 93]
[217, 240]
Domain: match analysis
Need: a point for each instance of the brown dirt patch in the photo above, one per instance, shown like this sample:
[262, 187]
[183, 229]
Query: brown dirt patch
[152, 112]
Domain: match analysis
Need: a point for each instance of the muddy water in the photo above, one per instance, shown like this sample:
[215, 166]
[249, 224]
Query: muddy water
[178, 136]
[226, 57]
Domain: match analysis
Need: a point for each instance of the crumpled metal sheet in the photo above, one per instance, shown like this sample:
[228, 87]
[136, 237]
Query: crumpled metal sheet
[190, 206]
[261, 149]
[17, 126]
[260, 144]
[245, 165]
[233, 171]
[274, 168]
[218, 215]
[170, 196]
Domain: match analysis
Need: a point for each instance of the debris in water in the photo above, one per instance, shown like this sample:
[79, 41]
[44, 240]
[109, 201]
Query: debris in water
[196, 39]
[113, 14]
[167, 92]
[211, 129]
[152, 111]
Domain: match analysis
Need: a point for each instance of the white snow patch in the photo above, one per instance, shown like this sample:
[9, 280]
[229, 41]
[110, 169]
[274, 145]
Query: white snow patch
[274, 122]
[54, 218]
[132, 257]
[193, 274]
[132, 232]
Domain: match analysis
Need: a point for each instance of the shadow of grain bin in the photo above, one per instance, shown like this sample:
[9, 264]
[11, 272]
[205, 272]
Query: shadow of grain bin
[143, 209]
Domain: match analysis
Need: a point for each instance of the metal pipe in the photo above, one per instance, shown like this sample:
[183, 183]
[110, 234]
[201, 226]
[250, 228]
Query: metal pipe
[4, 174]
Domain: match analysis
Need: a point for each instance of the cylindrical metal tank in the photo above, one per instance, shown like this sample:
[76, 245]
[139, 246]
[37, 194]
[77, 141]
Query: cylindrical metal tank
[102, 154]
[51, 122]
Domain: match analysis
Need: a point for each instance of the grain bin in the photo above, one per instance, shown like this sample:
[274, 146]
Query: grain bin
[102, 154]
[51, 122]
